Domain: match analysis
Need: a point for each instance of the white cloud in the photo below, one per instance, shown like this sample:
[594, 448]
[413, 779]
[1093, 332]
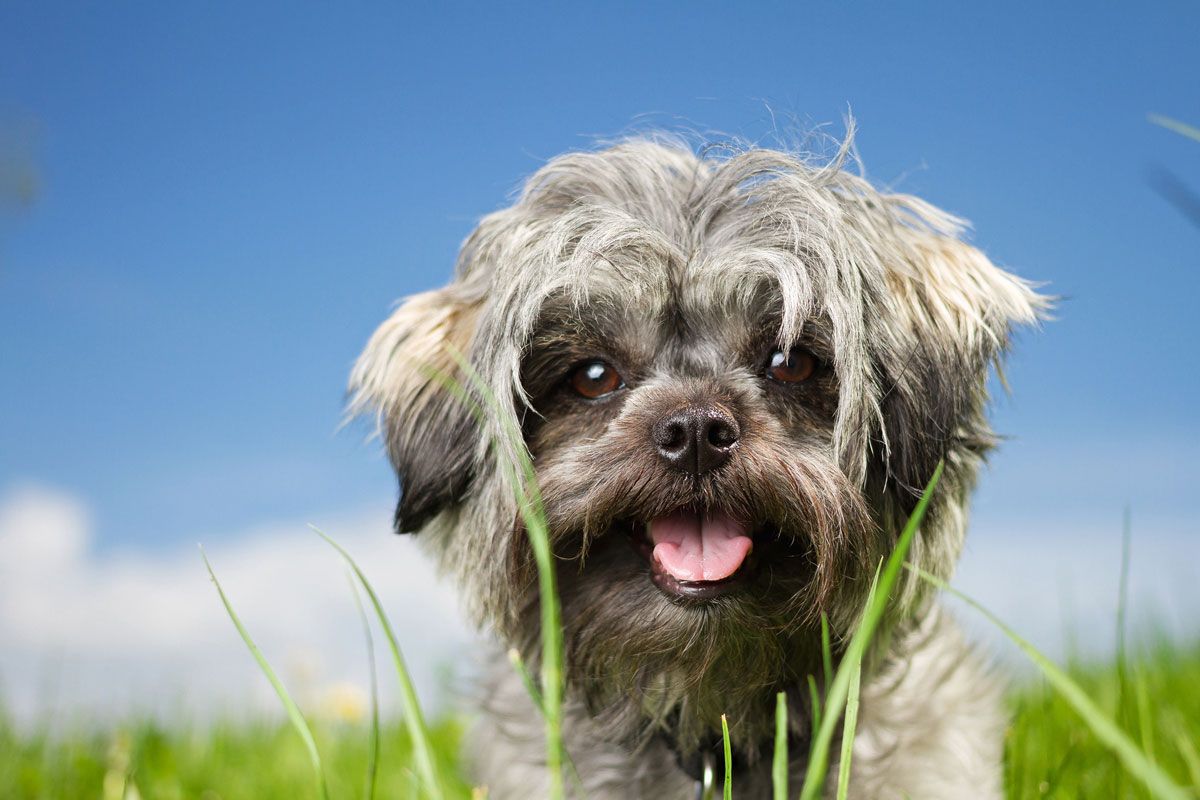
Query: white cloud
[41, 526]
[81, 633]
[1056, 580]
[85, 634]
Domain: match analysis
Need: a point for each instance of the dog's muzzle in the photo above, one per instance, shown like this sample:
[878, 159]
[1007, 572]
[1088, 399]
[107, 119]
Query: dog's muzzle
[695, 553]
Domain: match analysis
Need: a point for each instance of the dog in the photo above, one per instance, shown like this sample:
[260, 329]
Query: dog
[734, 371]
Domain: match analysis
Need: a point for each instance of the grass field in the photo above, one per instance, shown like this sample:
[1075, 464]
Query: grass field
[1050, 751]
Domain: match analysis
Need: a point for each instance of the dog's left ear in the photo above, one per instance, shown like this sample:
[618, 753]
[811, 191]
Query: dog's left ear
[945, 319]
[429, 431]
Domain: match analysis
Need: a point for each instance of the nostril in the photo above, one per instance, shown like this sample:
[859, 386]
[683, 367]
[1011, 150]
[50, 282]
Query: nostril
[721, 435]
[674, 436]
[671, 435]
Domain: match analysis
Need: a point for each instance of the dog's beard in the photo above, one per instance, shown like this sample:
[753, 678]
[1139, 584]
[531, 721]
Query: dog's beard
[644, 664]
[646, 661]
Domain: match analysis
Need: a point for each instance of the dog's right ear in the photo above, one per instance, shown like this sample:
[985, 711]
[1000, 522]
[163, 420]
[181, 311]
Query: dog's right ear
[401, 376]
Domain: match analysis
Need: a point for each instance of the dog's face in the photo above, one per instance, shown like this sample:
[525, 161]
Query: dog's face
[733, 378]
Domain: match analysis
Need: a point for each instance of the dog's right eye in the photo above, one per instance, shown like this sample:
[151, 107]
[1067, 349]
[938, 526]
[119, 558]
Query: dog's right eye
[794, 366]
[594, 379]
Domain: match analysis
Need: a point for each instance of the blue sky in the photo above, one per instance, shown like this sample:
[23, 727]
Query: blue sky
[232, 197]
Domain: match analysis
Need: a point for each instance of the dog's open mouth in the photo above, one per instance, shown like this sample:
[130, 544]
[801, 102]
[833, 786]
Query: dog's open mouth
[695, 555]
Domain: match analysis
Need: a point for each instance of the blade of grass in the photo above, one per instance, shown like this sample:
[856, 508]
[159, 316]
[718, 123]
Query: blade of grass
[297, 719]
[1190, 757]
[1063, 766]
[413, 718]
[1135, 761]
[835, 700]
[1170, 124]
[1123, 715]
[1145, 723]
[532, 512]
[529, 501]
[1122, 603]
[779, 765]
[518, 663]
[815, 701]
[373, 751]
[826, 651]
[851, 717]
[728, 794]
[848, 733]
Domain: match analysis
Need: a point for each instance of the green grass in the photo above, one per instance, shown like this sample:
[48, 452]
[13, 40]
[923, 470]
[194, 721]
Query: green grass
[259, 760]
[1050, 751]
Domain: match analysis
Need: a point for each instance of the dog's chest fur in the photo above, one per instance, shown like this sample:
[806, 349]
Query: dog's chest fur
[930, 726]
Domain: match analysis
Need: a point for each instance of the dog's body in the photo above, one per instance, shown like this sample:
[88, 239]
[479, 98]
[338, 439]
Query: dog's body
[930, 726]
[733, 377]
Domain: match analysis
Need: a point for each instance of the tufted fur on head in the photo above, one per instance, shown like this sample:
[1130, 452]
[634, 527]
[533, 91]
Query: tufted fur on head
[684, 273]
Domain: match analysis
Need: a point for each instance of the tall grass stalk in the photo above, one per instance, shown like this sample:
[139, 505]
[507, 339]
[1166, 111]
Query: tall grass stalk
[728, 792]
[779, 764]
[523, 480]
[814, 698]
[414, 720]
[839, 689]
[826, 651]
[518, 664]
[298, 721]
[1187, 750]
[1123, 715]
[1108, 732]
[843, 786]
[373, 751]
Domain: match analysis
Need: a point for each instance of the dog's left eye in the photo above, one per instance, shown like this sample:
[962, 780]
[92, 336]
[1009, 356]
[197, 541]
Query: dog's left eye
[595, 379]
[794, 366]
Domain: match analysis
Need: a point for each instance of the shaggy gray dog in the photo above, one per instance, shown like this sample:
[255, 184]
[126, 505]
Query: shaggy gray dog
[734, 376]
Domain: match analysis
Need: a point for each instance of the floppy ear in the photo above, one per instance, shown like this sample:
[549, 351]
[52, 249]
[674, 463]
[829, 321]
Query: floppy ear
[944, 321]
[430, 433]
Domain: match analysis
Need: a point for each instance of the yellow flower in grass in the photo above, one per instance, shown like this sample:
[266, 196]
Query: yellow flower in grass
[343, 702]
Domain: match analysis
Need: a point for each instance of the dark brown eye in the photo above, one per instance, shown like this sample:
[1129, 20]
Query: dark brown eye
[595, 379]
[794, 366]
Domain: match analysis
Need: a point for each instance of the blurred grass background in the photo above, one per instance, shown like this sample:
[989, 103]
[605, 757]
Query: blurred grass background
[263, 759]
[1050, 752]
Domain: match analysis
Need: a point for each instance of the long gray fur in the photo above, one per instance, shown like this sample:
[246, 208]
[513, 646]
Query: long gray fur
[684, 269]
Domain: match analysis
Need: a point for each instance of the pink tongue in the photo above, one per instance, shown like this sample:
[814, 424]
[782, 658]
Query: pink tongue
[695, 548]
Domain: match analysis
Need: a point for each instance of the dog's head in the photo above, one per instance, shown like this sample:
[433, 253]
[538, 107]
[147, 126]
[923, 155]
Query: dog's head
[734, 376]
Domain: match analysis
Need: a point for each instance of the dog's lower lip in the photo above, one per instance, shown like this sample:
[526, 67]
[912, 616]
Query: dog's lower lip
[696, 590]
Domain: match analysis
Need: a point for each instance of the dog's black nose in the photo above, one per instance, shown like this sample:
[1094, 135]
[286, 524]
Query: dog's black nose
[696, 439]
